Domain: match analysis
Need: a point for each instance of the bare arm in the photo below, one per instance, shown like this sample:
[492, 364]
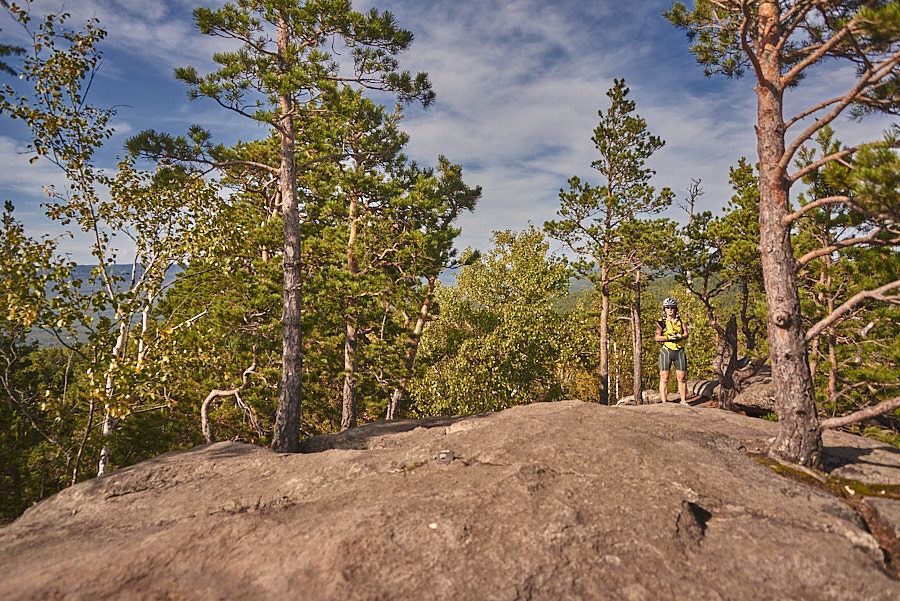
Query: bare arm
[659, 335]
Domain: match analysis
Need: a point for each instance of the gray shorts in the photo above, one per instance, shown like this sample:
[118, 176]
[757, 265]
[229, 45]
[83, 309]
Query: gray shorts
[667, 357]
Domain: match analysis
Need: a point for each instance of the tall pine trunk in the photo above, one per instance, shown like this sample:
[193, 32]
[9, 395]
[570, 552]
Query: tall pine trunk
[603, 392]
[286, 433]
[799, 437]
[637, 342]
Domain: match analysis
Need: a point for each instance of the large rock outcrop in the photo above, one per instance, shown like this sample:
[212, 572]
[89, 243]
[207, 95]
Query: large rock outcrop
[543, 502]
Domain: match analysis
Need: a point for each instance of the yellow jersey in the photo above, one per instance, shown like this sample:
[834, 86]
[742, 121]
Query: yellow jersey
[672, 327]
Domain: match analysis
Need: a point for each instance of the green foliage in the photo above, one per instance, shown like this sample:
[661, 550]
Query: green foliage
[27, 269]
[216, 322]
[376, 230]
[580, 367]
[891, 437]
[874, 181]
[718, 49]
[497, 341]
[161, 214]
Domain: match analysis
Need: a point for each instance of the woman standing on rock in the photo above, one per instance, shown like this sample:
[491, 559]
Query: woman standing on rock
[671, 332]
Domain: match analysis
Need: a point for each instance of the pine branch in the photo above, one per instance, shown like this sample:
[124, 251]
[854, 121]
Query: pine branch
[869, 78]
[820, 53]
[876, 294]
[870, 240]
[819, 202]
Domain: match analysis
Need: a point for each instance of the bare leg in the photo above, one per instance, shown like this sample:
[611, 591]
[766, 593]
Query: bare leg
[681, 376]
[663, 386]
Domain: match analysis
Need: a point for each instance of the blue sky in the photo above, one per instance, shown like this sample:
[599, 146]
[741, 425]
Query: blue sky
[518, 83]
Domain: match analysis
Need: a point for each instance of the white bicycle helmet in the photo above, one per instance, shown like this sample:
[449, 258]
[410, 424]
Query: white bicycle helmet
[670, 302]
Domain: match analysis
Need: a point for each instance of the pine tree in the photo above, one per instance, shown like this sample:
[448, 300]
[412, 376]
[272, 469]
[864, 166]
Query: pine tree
[592, 218]
[283, 82]
[780, 42]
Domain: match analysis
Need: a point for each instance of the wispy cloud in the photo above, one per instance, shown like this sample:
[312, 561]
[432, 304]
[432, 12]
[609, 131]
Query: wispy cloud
[19, 177]
[518, 82]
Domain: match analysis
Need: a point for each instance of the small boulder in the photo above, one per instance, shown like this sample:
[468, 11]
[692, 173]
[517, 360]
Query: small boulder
[758, 395]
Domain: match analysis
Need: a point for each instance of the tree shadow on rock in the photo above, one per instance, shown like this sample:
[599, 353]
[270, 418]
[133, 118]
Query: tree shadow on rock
[835, 457]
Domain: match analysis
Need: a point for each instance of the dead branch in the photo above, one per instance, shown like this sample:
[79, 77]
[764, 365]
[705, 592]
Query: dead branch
[216, 394]
[810, 111]
[748, 371]
[248, 414]
[862, 414]
[813, 58]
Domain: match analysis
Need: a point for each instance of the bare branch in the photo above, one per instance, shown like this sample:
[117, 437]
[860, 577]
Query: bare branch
[226, 164]
[866, 79]
[816, 56]
[794, 18]
[815, 109]
[862, 414]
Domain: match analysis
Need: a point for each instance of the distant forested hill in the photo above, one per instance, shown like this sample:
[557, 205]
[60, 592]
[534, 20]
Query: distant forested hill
[581, 288]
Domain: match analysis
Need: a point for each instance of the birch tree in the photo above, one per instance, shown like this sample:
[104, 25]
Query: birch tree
[153, 214]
